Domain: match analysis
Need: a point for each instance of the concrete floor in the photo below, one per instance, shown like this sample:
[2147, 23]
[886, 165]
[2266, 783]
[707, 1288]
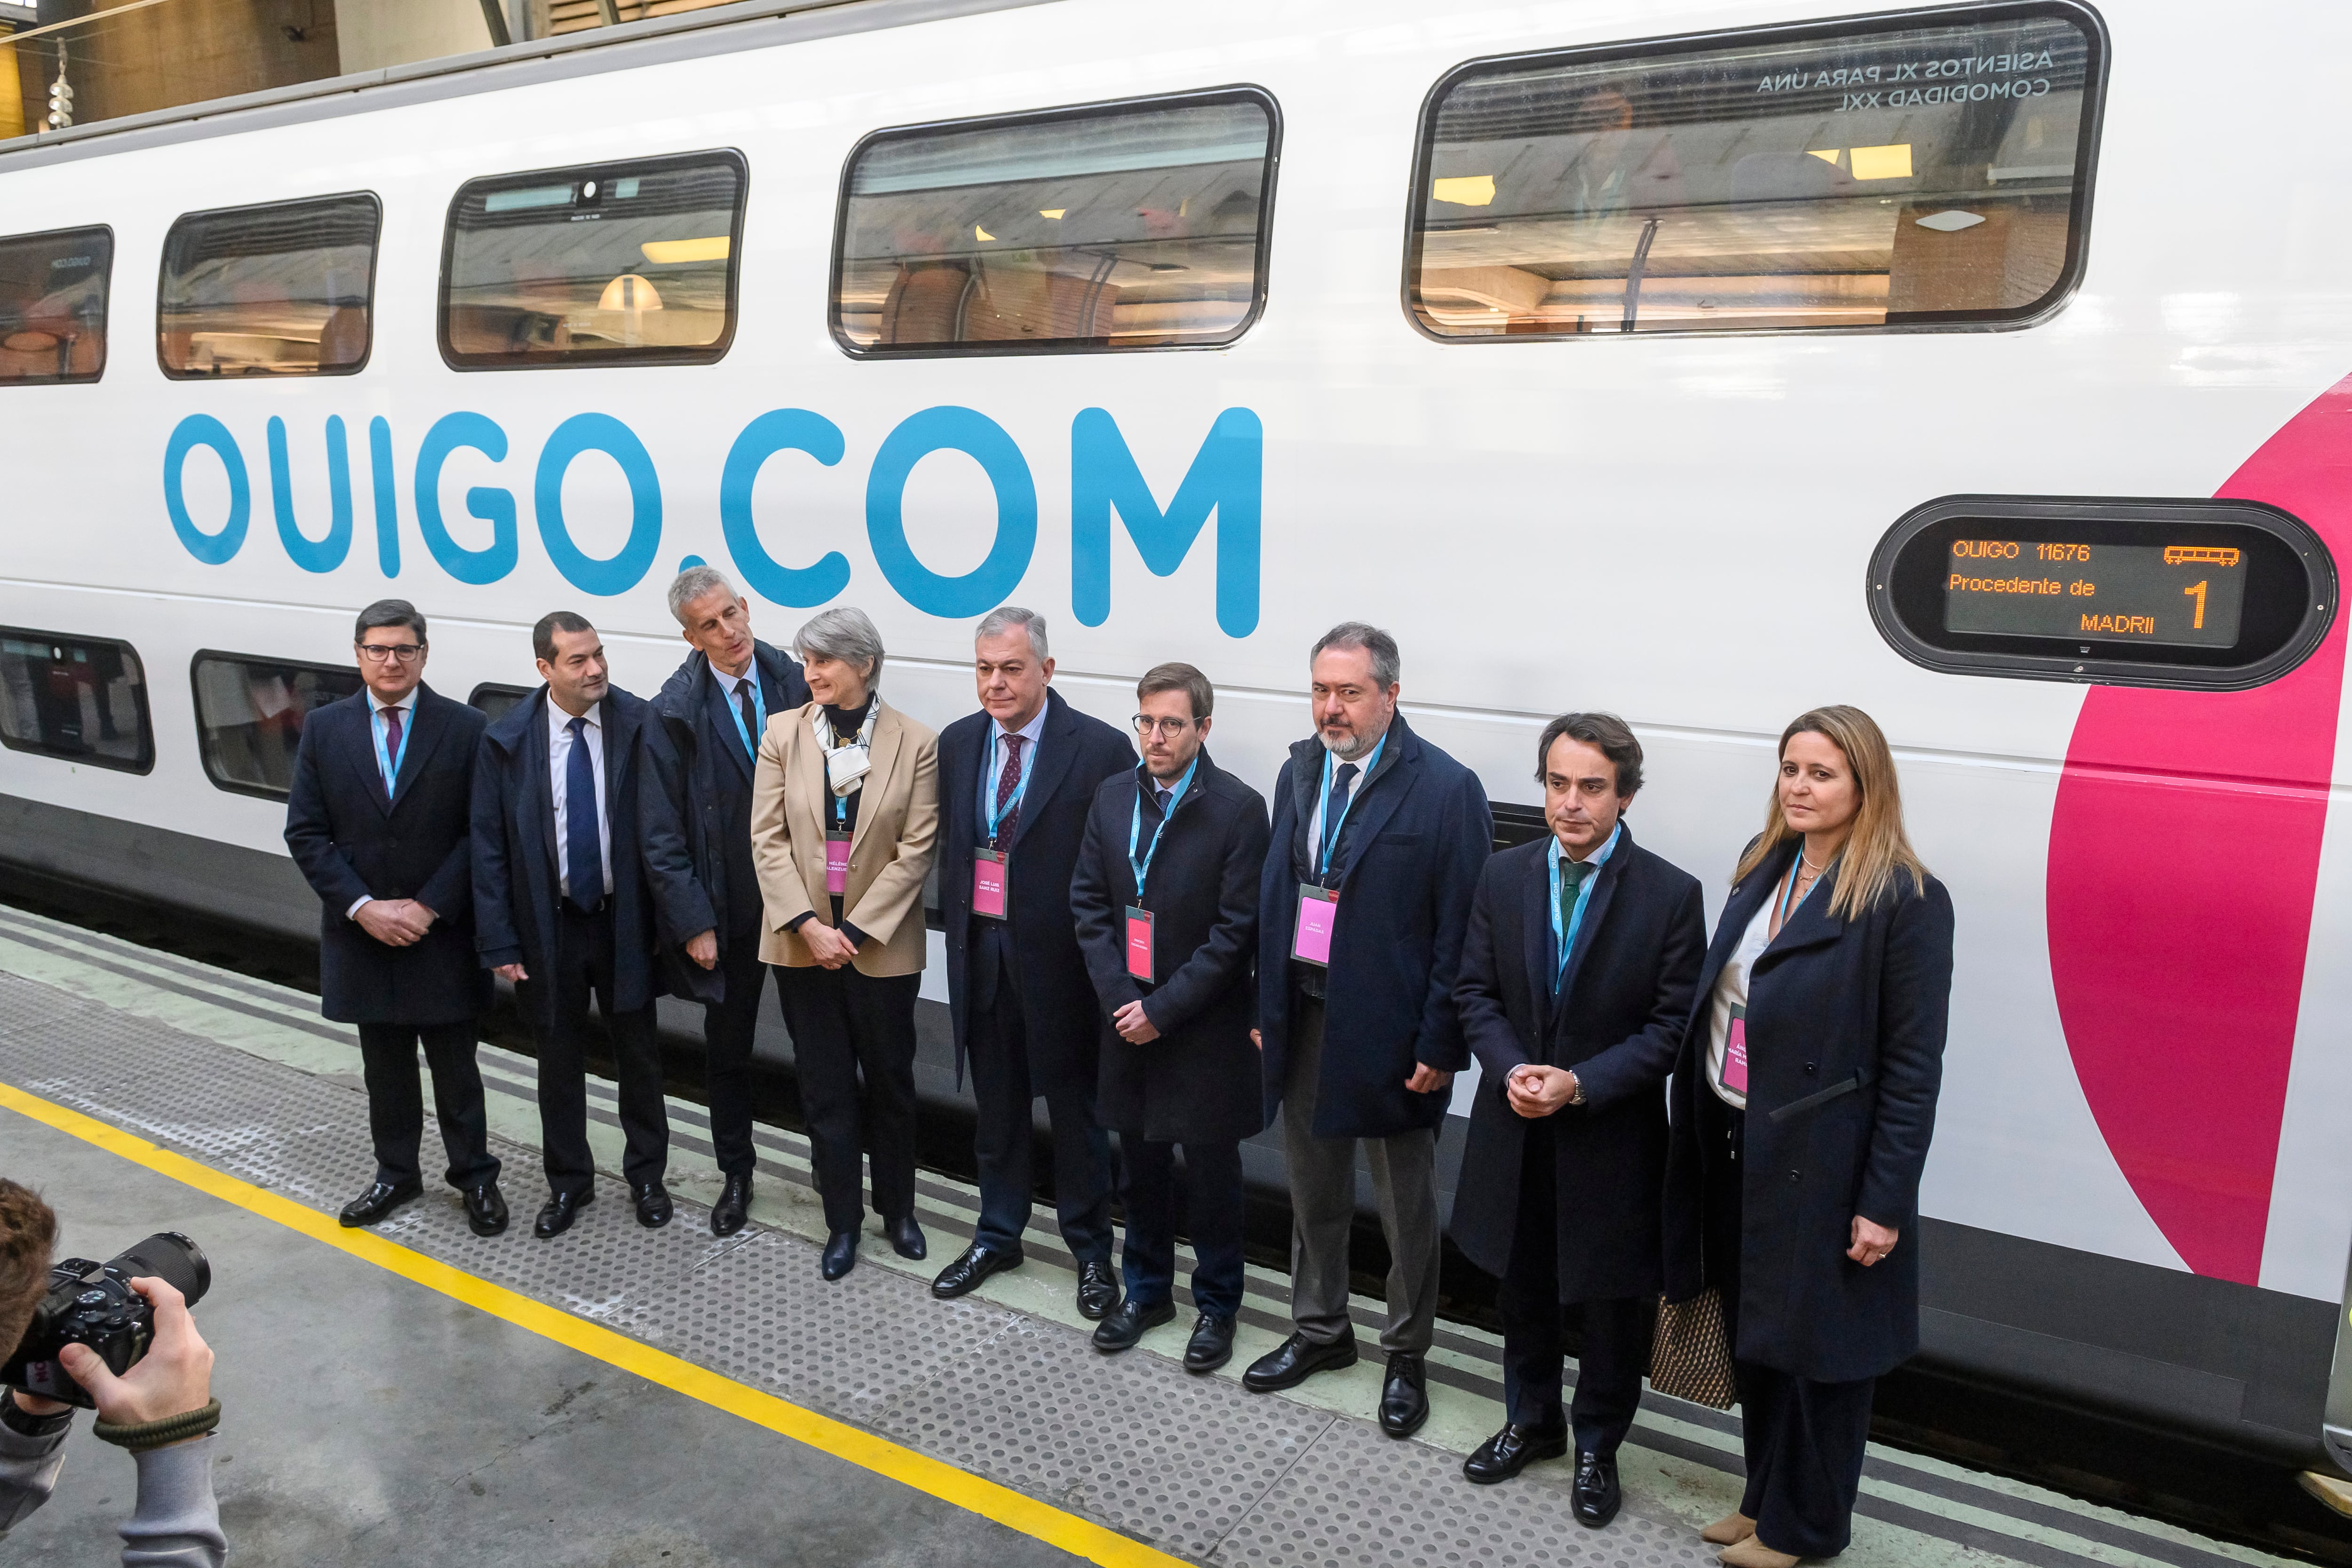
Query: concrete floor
[366, 1419]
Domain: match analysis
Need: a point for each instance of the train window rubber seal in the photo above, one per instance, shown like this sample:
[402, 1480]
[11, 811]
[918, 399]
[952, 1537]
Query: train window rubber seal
[106, 306]
[2078, 13]
[256, 209]
[2291, 590]
[1262, 256]
[144, 763]
[205, 743]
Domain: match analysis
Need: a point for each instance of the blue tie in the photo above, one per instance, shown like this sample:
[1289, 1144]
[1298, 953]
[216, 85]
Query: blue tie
[1336, 809]
[584, 859]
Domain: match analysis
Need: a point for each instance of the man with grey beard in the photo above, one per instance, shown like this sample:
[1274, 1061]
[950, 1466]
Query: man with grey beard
[1378, 838]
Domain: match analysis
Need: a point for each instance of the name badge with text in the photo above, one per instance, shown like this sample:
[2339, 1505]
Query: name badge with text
[1318, 910]
[1138, 945]
[1735, 1052]
[988, 883]
[836, 861]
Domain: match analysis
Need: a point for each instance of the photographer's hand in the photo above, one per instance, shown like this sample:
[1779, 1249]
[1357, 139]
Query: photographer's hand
[173, 1377]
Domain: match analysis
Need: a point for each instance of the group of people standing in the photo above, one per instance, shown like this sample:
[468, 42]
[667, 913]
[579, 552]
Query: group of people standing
[1146, 946]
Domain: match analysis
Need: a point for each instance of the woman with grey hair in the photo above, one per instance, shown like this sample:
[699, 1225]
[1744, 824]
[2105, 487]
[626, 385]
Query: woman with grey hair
[844, 818]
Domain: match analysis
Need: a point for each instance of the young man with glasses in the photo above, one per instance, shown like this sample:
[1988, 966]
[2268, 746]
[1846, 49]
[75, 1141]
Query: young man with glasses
[379, 819]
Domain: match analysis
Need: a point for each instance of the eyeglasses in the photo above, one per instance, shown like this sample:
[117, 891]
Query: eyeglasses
[376, 652]
[1167, 728]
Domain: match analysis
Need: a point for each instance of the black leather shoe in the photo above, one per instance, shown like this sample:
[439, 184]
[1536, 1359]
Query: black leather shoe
[1098, 1290]
[556, 1216]
[1404, 1398]
[1211, 1344]
[1295, 1360]
[1513, 1449]
[906, 1238]
[962, 1277]
[840, 1253]
[653, 1205]
[1596, 1489]
[379, 1200]
[733, 1208]
[486, 1209]
[1129, 1322]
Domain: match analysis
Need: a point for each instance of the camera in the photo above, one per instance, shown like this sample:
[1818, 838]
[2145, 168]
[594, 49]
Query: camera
[93, 1304]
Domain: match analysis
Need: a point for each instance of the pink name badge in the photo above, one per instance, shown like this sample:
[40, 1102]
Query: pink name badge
[1319, 909]
[836, 861]
[1139, 945]
[988, 884]
[1734, 1053]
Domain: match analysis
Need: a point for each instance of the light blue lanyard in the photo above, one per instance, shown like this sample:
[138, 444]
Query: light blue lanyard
[1331, 828]
[387, 765]
[1788, 897]
[1565, 941]
[988, 781]
[758, 705]
[1135, 825]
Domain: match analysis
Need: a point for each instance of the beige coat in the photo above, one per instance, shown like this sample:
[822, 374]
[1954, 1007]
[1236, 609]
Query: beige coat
[889, 850]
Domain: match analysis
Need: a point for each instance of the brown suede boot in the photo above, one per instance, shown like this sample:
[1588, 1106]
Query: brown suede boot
[1730, 1530]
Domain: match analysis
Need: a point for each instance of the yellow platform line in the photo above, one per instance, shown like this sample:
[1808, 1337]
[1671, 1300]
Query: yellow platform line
[1016, 1510]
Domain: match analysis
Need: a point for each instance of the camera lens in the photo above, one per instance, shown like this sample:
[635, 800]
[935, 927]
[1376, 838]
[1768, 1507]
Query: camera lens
[171, 1257]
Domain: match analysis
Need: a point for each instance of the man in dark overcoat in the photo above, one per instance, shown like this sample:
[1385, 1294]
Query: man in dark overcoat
[380, 821]
[1166, 896]
[1015, 782]
[581, 887]
[1378, 840]
[1577, 977]
[714, 708]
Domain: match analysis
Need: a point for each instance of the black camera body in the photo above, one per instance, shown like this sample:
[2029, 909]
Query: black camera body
[93, 1304]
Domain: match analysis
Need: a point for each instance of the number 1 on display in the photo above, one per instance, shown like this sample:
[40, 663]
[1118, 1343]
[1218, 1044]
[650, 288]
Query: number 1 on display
[2197, 591]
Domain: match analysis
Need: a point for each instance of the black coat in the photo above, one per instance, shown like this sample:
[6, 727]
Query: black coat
[353, 844]
[1407, 863]
[1845, 1054]
[657, 906]
[1199, 1081]
[711, 790]
[1618, 1022]
[1074, 754]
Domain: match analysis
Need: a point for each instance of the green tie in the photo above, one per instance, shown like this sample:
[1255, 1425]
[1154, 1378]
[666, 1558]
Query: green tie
[1572, 876]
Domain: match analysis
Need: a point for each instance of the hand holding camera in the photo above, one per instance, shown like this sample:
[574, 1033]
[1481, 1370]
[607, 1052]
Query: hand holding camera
[173, 1378]
[118, 1336]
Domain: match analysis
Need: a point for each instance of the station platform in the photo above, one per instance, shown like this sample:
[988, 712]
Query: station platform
[419, 1396]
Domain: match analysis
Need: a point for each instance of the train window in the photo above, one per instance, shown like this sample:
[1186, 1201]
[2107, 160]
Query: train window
[282, 290]
[628, 263]
[249, 714]
[1928, 171]
[53, 306]
[2217, 594]
[497, 700]
[1139, 224]
[81, 699]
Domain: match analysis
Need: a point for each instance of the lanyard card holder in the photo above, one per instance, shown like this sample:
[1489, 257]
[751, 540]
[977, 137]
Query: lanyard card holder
[988, 871]
[1138, 945]
[836, 861]
[1318, 910]
[1735, 1052]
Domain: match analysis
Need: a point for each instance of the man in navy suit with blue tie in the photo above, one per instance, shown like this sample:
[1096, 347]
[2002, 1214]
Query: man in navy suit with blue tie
[379, 821]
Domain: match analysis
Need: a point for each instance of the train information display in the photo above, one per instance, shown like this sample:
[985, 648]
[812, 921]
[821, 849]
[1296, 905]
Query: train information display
[2176, 595]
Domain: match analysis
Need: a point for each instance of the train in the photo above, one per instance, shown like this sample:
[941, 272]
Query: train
[1702, 361]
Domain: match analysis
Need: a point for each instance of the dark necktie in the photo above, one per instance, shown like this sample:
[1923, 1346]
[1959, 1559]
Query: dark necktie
[750, 711]
[583, 857]
[1007, 784]
[1160, 798]
[391, 748]
[1334, 810]
[1572, 877]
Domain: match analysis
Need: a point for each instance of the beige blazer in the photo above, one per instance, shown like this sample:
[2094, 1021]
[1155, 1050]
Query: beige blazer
[890, 849]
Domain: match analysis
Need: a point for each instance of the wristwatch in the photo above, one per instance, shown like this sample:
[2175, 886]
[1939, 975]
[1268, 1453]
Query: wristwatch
[1578, 1097]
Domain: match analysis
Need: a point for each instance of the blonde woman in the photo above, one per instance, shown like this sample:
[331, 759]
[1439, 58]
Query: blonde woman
[1820, 1010]
[845, 819]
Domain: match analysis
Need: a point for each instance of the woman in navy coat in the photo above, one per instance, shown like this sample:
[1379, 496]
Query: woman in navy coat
[1803, 1102]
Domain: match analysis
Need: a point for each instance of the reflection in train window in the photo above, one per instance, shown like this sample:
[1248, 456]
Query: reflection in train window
[619, 264]
[497, 700]
[1831, 176]
[1138, 226]
[82, 698]
[53, 306]
[249, 714]
[283, 290]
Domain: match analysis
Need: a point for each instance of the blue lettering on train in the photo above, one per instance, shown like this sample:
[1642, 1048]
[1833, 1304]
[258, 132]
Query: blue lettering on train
[1226, 478]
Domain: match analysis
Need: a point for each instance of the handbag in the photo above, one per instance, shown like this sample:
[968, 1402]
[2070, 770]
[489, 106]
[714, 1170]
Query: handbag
[1690, 1355]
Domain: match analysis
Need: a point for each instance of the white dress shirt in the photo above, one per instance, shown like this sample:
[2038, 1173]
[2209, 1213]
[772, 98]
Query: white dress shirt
[407, 706]
[727, 685]
[558, 766]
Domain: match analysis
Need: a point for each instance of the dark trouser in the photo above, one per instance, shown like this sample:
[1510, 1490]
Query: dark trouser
[396, 1100]
[1083, 1169]
[1616, 1338]
[854, 1044]
[1804, 1439]
[728, 1027]
[1212, 1183]
[583, 966]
